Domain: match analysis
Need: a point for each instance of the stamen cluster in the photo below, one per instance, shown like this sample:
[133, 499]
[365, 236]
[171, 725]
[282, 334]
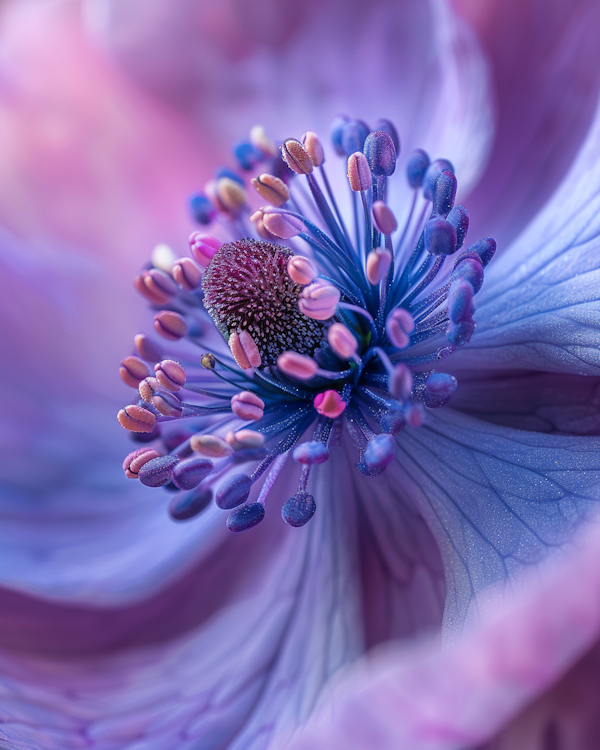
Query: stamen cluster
[314, 331]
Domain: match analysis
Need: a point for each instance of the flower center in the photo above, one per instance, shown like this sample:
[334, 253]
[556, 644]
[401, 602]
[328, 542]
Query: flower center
[247, 288]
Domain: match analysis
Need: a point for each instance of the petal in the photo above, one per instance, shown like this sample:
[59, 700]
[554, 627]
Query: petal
[538, 308]
[496, 499]
[412, 62]
[545, 65]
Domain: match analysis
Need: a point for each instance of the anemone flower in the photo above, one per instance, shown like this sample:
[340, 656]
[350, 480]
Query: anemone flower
[124, 629]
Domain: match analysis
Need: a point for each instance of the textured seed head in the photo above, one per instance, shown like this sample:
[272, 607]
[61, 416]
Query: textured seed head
[247, 288]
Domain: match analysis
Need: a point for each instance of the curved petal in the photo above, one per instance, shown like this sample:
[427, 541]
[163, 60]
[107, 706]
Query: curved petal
[545, 66]
[295, 67]
[497, 500]
[538, 308]
[432, 699]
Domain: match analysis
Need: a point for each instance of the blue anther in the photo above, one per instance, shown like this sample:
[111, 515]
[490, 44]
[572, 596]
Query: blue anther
[230, 174]
[390, 129]
[471, 270]
[381, 154]
[440, 237]
[459, 218]
[432, 175]
[299, 509]
[439, 388]
[393, 420]
[444, 193]
[418, 163]
[337, 127]
[354, 135]
[313, 452]
[460, 334]
[485, 249]
[190, 472]
[189, 504]
[158, 471]
[202, 209]
[379, 452]
[247, 155]
[233, 491]
[460, 301]
[246, 517]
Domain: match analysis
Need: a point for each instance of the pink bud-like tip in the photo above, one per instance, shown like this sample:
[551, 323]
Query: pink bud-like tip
[378, 262]
[203, 247]
[301, 270]
[399, 325]
[329, 404]
[319, 300]
[384, 219]
[297, 365]
[342, 341]
[170, 325]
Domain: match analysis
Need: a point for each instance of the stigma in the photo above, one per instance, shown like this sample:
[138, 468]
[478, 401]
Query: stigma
[323, 320]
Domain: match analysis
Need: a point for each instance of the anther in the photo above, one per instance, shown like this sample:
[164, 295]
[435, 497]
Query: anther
[471, 270]
[444, 193]
[460, 299]
[378, 262]
[271, 189]
[313, 452]
[247, 155]
[390, 129]
[301, 270]
[136, 419]
[188, 473]
[439, 388]
[329, 404]
[246, 517]
[163, 257]
[248, 406]
[245, 439]
[260, 139]
[203, 247]
[297, 365]
[400, 382]
[335, 132]
[146, 348]
[158, 471]
[384, 218]
[190, 504]
[201, 209]
[208, 361]
[381, 154]
[299, 509]
[440, 237]
[380, 451]
[359, 172]
[485, 249]
[343, 343]
[136, 459]
[167, 404]
[283, 226]
[155, 286]
[313, 147]
[233, 491]
[418, 163]
[399, 325]
[171, 325]
[258, 219]
[132, 370]
[353, 137]
[432, 175]
[231, 194]
[319, 300]
[211, 446]
[296, 156]
[244, 350]
[187, 273]
[170, 374]
[459, 218]
[147, 388]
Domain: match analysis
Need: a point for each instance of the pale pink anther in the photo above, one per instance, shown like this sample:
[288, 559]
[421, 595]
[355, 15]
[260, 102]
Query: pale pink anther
[378, 262]
[245, 439]
[283, 226]
[147, 388]
[384, 218]
[203, 247]
[136, 419]
[163, 257]
[296, 156]
[132, 370]
[244, 350]
[247, 405]
[146, 348]
[150, 290]
[210, 445]
[400, 382]
[257, 219]
[230, 194]
[210, 191]
[260, 139]
[399, 325]
[319, 300]
[314, 147]
[414, 414]
[171, 325]
[342, 341]
[297, 365]
[136, 459]
[359, 172]
[187, 273]
[271, 189]
[301, 270]
[167, 404]
[329, 404]
[170, 374]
